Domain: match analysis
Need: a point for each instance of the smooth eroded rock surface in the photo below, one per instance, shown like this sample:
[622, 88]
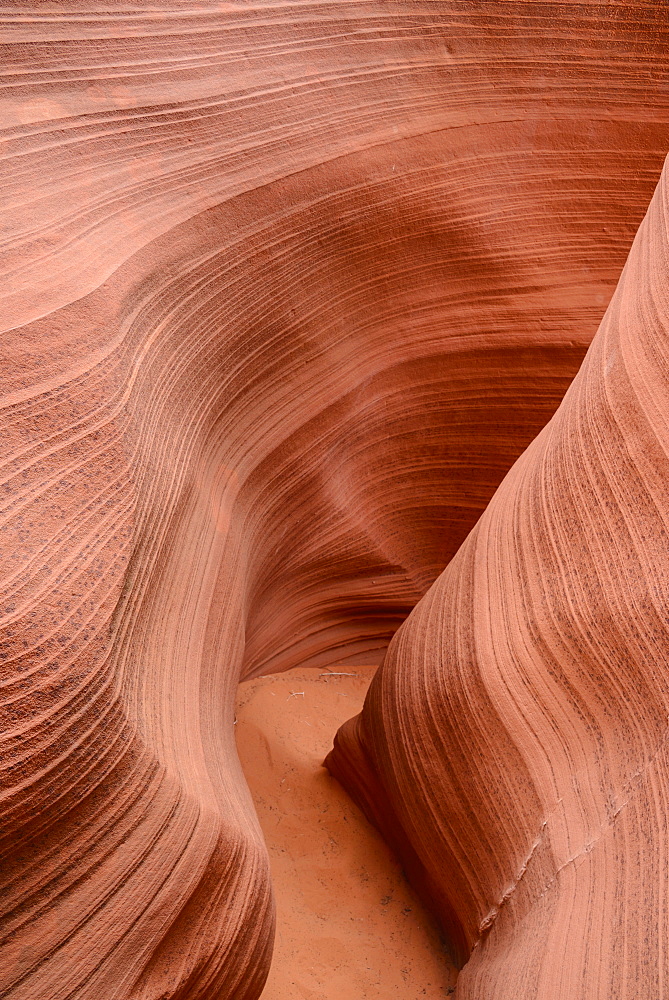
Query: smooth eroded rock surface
[286, 289]
[515, 744]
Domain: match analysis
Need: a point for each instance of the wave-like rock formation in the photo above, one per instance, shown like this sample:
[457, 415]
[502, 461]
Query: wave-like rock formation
[286, 290]
[515, 743]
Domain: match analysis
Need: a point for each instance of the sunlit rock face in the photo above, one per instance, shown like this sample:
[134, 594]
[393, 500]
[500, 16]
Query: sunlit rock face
[286, 291]
[514, 745]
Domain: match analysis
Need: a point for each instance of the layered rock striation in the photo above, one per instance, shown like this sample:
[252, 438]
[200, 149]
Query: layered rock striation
[515, 744]
[286, 291]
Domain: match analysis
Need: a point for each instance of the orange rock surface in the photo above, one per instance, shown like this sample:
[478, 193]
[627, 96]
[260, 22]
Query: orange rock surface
[287, 289]
[515, 744]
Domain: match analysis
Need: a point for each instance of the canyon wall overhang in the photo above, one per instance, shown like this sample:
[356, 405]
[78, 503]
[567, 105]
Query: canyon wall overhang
[286, 292]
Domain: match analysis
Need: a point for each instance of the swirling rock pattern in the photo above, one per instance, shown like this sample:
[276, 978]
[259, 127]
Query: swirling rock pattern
[286, 291]
[515, 743]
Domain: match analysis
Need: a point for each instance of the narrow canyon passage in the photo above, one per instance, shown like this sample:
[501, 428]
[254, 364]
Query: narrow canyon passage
[349, 927]
[288, 290]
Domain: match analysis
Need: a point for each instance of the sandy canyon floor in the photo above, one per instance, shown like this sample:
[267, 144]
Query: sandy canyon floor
[349, 926]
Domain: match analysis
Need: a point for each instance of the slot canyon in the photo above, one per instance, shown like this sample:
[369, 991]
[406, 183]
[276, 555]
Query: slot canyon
[335, 500]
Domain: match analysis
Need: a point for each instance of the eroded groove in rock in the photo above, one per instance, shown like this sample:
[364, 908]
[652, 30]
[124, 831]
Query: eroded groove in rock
[286, 291]
[517, 733]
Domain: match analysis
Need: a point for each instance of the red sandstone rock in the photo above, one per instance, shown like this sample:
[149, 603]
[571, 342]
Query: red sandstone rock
[514, 744]
[287, 289]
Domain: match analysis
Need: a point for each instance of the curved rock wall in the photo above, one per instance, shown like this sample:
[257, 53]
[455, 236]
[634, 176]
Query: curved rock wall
[286, 291]
[514, 744]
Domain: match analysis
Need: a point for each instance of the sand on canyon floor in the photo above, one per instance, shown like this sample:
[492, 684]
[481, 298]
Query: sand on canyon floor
[349, 926]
